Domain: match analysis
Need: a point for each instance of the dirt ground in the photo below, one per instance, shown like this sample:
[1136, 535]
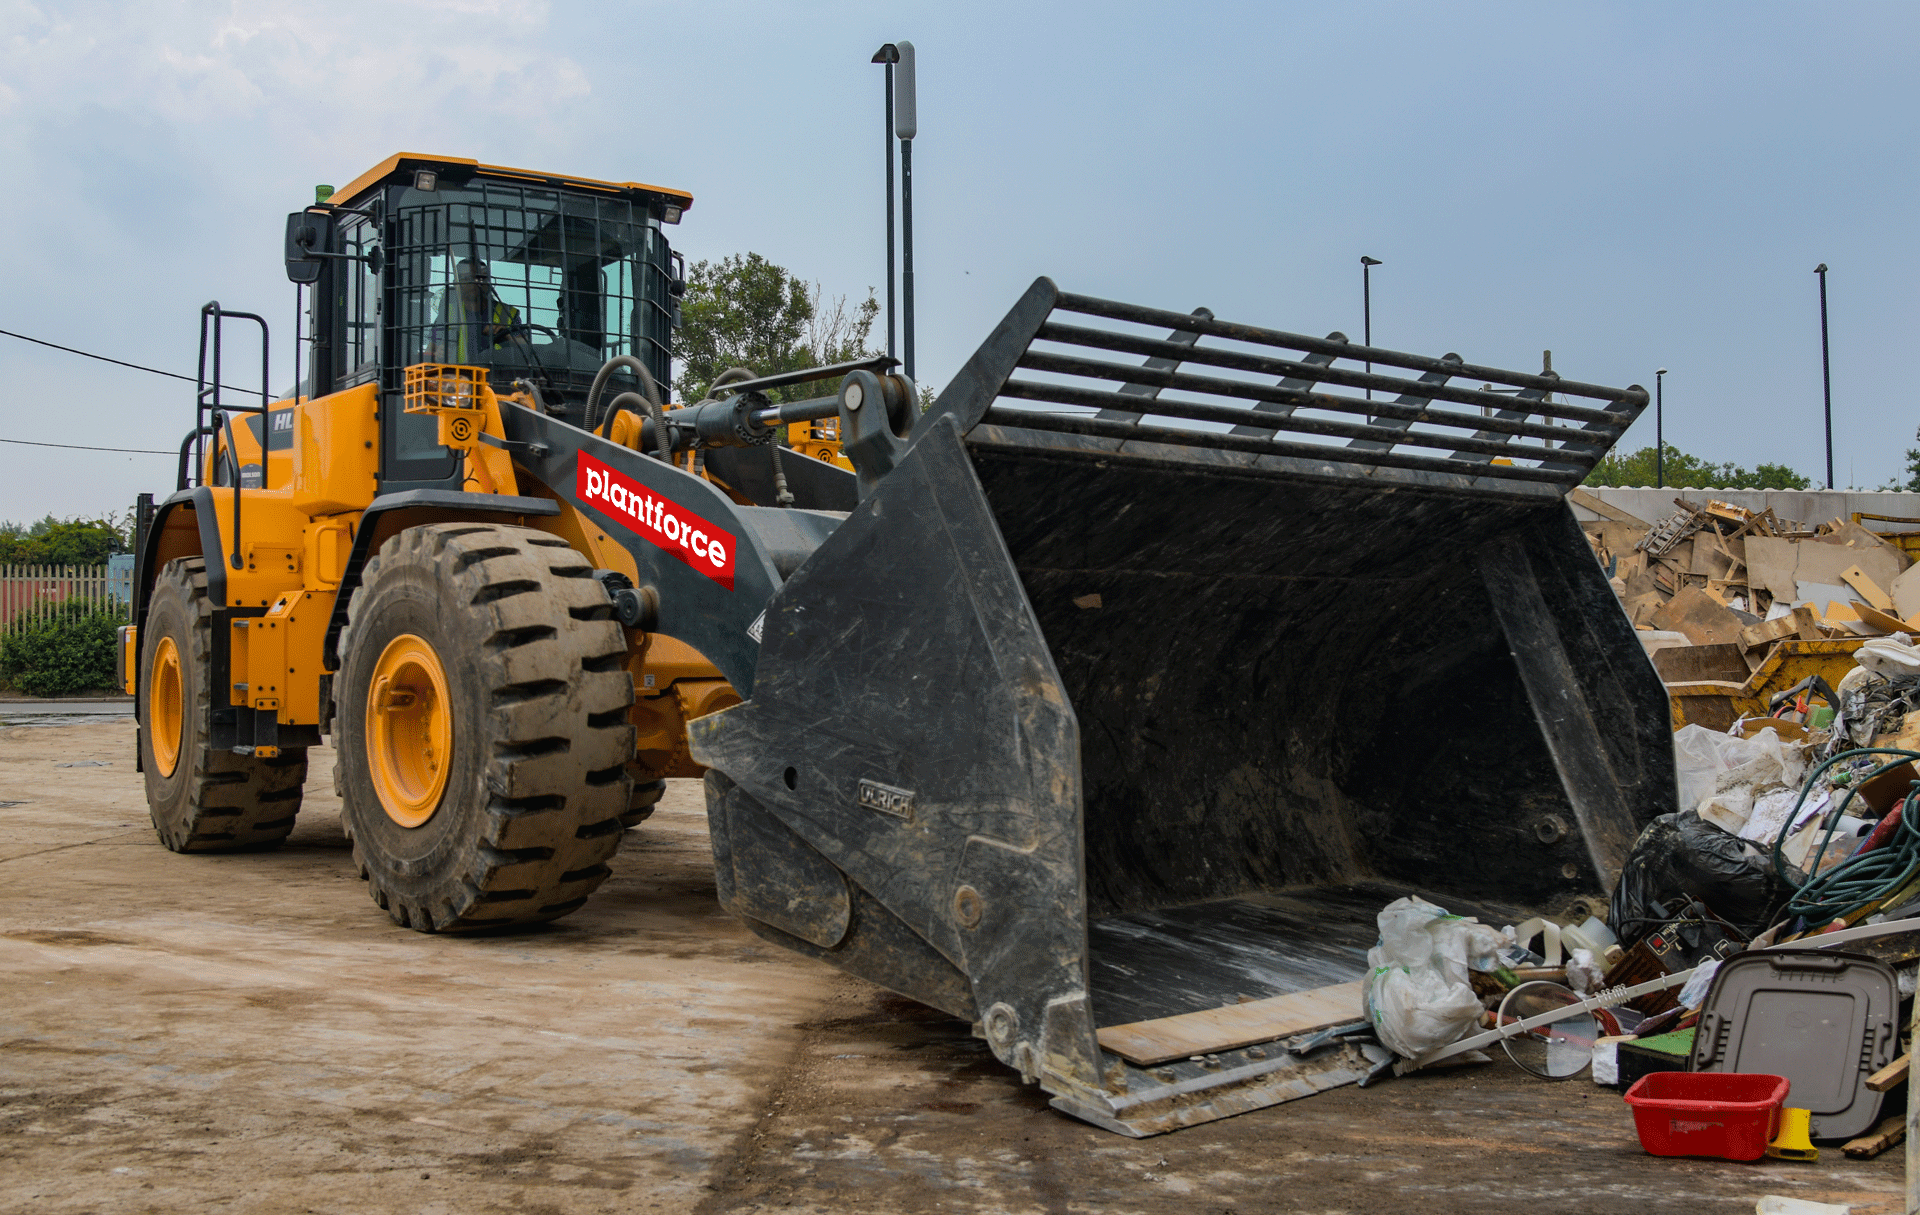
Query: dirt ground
[250, 1034]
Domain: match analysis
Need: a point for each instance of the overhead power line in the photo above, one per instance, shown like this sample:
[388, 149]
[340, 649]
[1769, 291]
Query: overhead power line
[172, 375]
[138, 451]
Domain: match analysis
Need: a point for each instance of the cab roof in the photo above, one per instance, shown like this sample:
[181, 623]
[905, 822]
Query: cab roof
[456, 170]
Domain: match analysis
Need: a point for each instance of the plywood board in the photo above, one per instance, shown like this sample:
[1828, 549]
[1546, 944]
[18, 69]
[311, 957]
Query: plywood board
[1872, 549]
[1606, 510]
[1817, 561]
[1870, 590]
[1164, 1039]
[1704, 619]
[1884, 621]
[1770, 565]
[1906, 594]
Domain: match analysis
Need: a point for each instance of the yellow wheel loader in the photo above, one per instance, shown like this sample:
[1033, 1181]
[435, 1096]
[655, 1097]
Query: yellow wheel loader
[1120, 688]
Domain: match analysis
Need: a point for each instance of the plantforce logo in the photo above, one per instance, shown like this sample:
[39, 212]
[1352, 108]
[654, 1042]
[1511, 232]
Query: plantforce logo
[687, 537]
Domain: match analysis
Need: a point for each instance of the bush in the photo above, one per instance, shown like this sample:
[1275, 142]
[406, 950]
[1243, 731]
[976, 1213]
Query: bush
[72, 652]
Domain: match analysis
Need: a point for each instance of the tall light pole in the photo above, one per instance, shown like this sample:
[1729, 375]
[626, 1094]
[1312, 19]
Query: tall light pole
[1366, 306]
[889, 54]
[906, 124]
[1826, 371]
[1659, 430]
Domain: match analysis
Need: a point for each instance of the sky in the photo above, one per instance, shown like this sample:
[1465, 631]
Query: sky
[1630, 185]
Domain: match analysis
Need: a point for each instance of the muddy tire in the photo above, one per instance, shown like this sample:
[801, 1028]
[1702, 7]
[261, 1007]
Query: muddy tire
[201, 800]
[641, 802]
[481, 721]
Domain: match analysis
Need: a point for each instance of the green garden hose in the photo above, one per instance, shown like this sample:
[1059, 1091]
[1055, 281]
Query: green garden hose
[1861, 880]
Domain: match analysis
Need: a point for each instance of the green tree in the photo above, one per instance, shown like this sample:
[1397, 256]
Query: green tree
[1913, 470]
[744, 311]
[1682, 471]
[54, 542]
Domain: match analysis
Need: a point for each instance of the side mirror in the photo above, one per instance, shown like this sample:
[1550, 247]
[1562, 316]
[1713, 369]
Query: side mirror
[309, 240]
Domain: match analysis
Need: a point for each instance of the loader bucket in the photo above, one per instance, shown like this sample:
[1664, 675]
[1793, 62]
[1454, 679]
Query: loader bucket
[1133, 690]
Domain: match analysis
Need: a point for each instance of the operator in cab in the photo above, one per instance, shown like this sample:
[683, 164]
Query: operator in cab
[472, 320]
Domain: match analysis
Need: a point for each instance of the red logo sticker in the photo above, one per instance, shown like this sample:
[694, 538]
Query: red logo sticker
[688, 537]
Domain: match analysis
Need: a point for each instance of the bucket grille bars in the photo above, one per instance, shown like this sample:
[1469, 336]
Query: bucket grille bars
[1263, 399]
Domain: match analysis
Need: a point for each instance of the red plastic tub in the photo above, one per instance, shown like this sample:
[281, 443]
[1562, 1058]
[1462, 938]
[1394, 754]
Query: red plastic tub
[1732, 1115]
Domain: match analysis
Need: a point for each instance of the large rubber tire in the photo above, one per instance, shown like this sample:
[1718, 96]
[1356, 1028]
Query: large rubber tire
[641, 802]
[535, 678]
[211, 801]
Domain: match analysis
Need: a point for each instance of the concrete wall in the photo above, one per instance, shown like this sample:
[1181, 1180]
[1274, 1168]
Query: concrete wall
[1807, 506]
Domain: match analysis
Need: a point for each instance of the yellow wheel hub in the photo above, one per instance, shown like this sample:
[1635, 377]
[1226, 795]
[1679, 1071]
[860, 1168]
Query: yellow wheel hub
[409, 730]
[166, 706]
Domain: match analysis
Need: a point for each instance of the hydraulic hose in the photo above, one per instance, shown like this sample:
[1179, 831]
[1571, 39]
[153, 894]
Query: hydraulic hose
[651, 401]
[1865, 878]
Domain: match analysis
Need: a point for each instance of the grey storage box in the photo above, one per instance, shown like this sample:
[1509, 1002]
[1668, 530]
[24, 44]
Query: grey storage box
[1824, 1020]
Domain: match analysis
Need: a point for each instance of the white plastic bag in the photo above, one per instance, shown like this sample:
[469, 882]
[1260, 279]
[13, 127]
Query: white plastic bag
[1888, 656]
[1719, 775]
[1584, 974]
[1416, 992]
[1694, 992]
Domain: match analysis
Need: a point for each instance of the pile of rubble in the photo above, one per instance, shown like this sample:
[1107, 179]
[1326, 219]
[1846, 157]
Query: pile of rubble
[1738, 608]
[1751, 985]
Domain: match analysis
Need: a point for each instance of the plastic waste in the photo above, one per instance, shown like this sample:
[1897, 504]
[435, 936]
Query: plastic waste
[1591, 934]
[1680, 857]
[1584, 974]
[1695, 990]
[1889, 656]
[1416, 992]
[1720, 775]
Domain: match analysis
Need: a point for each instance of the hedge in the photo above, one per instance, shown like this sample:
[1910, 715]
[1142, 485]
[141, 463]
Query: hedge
[72, 652]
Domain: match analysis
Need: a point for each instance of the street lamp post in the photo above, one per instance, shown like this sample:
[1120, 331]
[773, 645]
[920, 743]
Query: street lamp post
[889, 54]
[1659, 430]
[1826, 372]
[1366, 306]
[906, 124]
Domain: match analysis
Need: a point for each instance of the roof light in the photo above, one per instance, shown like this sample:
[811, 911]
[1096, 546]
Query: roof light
[426, 180]
[670, 215]
[322, 193]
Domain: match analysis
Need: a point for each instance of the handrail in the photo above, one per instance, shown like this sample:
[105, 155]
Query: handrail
[211, 317]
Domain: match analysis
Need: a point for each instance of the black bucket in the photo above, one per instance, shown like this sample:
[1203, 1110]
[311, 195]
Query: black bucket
[1097, 718]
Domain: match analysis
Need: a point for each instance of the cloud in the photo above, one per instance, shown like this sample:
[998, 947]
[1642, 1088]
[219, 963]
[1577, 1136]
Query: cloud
[314, 70]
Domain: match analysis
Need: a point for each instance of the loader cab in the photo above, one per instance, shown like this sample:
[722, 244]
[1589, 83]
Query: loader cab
[538, 279]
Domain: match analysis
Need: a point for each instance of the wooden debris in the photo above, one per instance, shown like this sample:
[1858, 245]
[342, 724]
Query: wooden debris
[1606, 510]
[1704, 619]
[1886, 622]
[1149, 1043]
[1883, 1136]
[1869, 590]
[1890, 1075]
